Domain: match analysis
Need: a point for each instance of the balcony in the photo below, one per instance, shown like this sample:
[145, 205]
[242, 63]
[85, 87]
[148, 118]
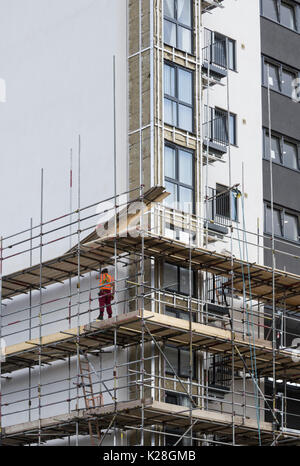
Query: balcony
[214, 65]
[221, 211]
[215, 137]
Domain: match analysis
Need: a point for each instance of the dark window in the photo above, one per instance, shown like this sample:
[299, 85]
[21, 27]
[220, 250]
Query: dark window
[221, 123]
[179, 178]
[284, 151]
[226, 203]
[281, 77]
[180, 361]
[287, 15]
[177, 279]
[178, 102]
[178, 24]
[219, 50]
[179, 314]
[270, 9]
[286, 224]
[283, 12]
[219, 373]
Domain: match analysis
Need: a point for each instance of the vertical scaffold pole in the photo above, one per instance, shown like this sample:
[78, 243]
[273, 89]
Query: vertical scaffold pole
[115, 243]
[30, 324]
[40, 310]
[78, 289]
[1, 343]
[273, 260]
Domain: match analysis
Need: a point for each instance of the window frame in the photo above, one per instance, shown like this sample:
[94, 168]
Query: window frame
[278, 4]
[223, 112]
[281, 67]
[282, 212]
[179, 373]
[210, 40]
[282, 140]
[230, 195]
[178, 290]
[175, 99]
[176, 180]
[179, 24]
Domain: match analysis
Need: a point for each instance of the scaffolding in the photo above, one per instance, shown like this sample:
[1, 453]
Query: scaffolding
[132, 396]
[196, 334]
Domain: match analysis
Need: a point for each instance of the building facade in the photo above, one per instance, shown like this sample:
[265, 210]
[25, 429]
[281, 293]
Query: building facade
[176, 202]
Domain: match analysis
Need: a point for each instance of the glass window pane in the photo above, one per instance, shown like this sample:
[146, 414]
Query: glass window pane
[169, 33]
[170, 312]
[170, 162]
[287, 16]
[184, 275]
[232, 129]
[290, 155]
[185, 118]
[172, 356]
[275, 149]
[185, 167]
[185, 86]
[273, 76]
[286, 83]
[219, 51]
[277, 221]
[270, 9]
[184, 39]
[234, 208]
[170, 276]
[169, 8]
[184, 363]
[170, 112]
[184, 12]
[231, 54]
[169, 80]
[291, 227]
[171, 201]
[186, 199]
[185, 315]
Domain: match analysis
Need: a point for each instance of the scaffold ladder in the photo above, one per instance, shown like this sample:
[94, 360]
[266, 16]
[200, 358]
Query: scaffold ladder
[91, 401]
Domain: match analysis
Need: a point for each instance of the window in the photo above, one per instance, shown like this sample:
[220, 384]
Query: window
[287, 15]
[284, 151]
[221, 125]
[178, 24]
[178, 279]
[226, 203]
[219, 50]
[280, 77]
[219, 374]
[283, 12]
[180, 361]
[179, 314]
[178, 102]
[179, 178]
[286, 224]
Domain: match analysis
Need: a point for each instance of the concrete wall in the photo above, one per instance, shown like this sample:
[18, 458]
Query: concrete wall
[56, 58]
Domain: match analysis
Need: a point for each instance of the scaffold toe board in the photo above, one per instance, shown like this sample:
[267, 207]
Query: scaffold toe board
[128, 414]
[174, 331]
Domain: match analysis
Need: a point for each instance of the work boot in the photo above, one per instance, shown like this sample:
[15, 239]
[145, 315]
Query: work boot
[100, 317]
[110, 316]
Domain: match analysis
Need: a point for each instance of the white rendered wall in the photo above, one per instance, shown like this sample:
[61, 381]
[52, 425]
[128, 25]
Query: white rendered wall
[56, 58]
[240, 20]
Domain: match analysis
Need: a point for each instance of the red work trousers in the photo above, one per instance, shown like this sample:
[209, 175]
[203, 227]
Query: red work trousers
[105, 299]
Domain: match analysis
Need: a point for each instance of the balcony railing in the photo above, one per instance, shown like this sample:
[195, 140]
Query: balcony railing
[219, 207]
[215, 134]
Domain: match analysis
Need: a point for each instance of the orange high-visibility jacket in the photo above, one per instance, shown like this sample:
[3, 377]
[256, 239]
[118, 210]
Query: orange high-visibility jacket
[106, 281]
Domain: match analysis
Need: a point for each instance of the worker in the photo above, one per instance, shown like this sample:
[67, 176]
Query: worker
[106, 293]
